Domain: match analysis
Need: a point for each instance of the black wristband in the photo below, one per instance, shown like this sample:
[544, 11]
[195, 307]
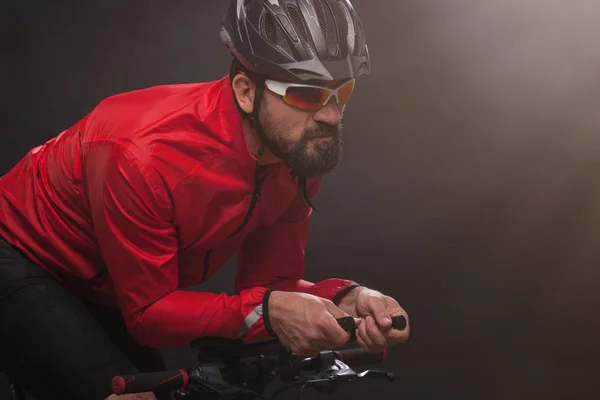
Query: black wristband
[338, 296]
[265, 307]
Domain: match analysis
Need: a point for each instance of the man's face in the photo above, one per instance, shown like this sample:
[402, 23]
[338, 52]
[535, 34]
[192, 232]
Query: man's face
[310, 142]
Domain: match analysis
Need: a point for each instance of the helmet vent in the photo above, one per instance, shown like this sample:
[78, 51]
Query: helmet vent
[326, 19]
[297, 21]
[320, 16]
[273, 34]
[351, 34]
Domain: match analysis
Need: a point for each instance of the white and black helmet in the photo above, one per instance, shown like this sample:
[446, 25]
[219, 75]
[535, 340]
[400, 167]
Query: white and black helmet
[297, 39]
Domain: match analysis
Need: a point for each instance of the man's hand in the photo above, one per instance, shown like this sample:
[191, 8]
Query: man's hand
[376, 309]
[306, 324]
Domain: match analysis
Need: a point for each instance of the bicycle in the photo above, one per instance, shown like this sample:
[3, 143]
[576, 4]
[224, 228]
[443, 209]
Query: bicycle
[236, 370]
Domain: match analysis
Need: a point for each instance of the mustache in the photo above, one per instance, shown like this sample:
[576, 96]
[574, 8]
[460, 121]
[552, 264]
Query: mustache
[322, 130]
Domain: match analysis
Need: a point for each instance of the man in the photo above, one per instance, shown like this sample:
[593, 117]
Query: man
[103, 227]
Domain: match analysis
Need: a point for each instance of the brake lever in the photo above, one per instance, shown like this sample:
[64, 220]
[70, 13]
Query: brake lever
[339, 372]
[377, 374]
[342, 372]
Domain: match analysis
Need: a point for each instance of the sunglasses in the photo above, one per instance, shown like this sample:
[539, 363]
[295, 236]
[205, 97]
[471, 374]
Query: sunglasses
[311, 97]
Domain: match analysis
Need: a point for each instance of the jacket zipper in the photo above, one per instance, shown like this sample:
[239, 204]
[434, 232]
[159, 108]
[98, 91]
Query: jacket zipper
[258, 182]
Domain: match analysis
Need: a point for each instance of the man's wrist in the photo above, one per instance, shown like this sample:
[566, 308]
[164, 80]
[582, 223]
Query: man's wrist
[344, 292]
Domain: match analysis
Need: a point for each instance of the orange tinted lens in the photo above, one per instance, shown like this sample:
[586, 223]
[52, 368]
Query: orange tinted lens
[307, 98]
[345, 92]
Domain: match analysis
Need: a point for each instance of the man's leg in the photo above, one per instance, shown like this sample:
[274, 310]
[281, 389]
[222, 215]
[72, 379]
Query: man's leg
[49, 342]
[146, 359]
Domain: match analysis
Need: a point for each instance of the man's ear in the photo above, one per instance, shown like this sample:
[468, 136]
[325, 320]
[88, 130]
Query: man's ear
[244, 88]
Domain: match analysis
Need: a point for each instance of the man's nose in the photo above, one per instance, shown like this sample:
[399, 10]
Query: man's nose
[331, 114]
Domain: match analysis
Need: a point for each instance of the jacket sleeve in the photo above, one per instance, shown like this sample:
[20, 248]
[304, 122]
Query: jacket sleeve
[273, 256]
[132, 216]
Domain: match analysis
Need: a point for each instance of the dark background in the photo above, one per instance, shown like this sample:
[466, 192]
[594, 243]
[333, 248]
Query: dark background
[468, 188]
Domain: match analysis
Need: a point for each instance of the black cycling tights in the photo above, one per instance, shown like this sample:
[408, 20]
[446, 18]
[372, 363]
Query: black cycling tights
[56, 346]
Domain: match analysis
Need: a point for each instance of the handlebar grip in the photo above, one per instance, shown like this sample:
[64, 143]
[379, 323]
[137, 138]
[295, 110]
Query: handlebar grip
[347, 324]
[148, 382]
[399, 322]
[358, 356]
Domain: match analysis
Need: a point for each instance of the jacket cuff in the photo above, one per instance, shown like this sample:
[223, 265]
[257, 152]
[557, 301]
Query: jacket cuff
[342, 293]
[265, 308]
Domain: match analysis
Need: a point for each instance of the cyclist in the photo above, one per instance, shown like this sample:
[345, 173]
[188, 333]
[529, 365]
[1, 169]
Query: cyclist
[104, 226]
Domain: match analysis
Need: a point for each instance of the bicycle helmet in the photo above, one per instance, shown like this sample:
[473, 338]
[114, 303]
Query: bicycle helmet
[297, 39]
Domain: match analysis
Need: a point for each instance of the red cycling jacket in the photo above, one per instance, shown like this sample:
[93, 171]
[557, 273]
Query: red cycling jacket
[152, 192]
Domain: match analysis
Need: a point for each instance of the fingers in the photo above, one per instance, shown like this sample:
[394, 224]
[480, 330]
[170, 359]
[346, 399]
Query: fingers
[326, 335]
[377, 306]
[336, 335]
[394, 309]
[373, 337]
[309, 344]
[334, 310]
[383, 319]
[370, 337]
[374, 332]
[399, 336]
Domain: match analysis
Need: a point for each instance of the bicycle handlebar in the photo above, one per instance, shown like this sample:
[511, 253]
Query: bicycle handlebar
[180, 379]
[220, 368]
[151, 381]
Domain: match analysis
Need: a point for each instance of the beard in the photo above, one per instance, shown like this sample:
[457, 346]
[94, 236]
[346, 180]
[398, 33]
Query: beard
[308, 157]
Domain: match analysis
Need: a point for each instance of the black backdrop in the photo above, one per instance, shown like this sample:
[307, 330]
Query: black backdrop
[469, 182]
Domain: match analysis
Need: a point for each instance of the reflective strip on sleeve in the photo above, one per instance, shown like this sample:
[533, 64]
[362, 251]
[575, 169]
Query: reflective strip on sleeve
[250, 320]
